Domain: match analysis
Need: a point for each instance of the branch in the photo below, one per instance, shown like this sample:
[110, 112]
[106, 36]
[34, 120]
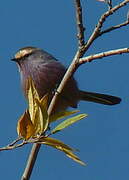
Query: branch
[31, 161]
[110, 12]
[97, 31]
[15, 141]
[114, 27]
[109, 2]
[79, 21]
[10, 147]
[104, 54]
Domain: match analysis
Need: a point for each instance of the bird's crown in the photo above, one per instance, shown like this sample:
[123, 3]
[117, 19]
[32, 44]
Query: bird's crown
[25, 52]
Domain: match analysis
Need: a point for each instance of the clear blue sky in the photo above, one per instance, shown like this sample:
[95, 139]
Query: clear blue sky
[102, 138]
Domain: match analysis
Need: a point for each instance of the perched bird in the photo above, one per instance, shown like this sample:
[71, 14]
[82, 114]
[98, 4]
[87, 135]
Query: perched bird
[47, 73]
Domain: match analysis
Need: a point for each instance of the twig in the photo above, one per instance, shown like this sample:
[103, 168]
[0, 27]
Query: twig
[114, 27]
[104, 54]
[80, 27]
[97, 30]
[15, 141]
[110, 12]
[13, 146]
[109, 3]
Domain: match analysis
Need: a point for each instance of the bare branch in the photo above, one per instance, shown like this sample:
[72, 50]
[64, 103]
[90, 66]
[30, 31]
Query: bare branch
[109, 2]
[103, 54]
[110, 12]
[15, 141]
[97, 30]
[114, 27]
[80, 27]
[13, 146]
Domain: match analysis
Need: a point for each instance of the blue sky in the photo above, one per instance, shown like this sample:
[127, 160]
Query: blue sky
[102, 138]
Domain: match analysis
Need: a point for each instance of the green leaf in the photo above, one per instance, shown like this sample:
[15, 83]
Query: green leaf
[55, 143]
[68, 122]
[37, 108]
[61, 115]
[73, 157]
[32, 94]
[38, 121]
[62, 147]
[43, 115]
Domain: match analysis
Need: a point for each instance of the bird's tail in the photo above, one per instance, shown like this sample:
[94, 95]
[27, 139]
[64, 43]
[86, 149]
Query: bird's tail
[99, 98]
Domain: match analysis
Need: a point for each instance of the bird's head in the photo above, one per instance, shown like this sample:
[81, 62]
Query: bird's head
[32, 54]
[24, 53]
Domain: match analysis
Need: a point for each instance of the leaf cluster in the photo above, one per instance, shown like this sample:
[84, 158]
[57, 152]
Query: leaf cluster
[33, 125]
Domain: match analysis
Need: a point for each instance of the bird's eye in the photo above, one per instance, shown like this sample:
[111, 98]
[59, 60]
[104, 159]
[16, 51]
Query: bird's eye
[26, 55]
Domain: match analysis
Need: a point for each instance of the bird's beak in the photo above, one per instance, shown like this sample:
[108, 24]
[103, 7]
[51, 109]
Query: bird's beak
[14, 59]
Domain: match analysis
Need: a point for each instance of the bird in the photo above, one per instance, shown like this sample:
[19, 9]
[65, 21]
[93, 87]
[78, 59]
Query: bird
[47, 72]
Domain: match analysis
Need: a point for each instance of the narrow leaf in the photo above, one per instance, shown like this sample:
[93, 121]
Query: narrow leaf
[42, 116]
[62, 147]
[44, 101]
[44, 107]
[37, 109]
[68, 122]
[37, 121]
[32, 94]
[73, 157]
[61, 115]
[55, 143]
